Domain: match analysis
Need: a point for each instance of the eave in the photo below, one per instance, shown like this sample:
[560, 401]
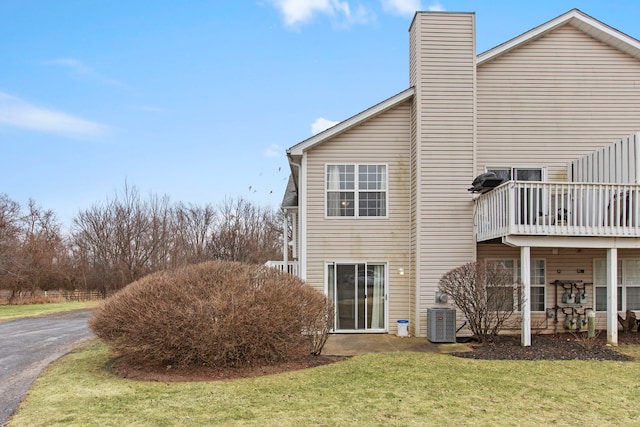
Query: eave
[298, 149]
[576, 18]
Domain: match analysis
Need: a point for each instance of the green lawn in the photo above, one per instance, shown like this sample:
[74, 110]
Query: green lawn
[395, 389]
[8, 312]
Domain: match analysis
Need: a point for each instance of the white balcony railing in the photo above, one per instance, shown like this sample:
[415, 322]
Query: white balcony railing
[291, 267]
[558, 209]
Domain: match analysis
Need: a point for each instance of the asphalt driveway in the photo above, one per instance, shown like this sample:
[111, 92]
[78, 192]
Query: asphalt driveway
[28, 345]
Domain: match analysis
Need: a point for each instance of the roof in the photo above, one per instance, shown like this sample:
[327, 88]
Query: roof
[591, 26]
[576, 18]
[351, 122]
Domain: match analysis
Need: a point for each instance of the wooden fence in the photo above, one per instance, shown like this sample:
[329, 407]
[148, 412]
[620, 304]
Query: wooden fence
[38, 296]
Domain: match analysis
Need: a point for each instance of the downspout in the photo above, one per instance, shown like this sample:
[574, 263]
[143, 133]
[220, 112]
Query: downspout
[474, 142]
[416, 216]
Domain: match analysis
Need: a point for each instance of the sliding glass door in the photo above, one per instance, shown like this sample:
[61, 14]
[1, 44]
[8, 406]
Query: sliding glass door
[358, 291]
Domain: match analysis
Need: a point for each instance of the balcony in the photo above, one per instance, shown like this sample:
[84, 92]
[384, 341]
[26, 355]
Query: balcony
[290, 267]
[558, 209]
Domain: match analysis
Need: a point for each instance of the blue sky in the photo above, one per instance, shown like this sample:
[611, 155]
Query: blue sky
[198, 100]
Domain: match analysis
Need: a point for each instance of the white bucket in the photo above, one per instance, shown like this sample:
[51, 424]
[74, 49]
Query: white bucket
[403, 328]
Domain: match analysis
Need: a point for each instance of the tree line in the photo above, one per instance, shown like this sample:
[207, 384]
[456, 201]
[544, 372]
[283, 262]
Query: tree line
[115, 242]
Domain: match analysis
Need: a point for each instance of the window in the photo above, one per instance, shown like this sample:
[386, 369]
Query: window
[519, 174]
[530, 200]
[538, 281]
[628, 284]
[502, 295]
[356, 190]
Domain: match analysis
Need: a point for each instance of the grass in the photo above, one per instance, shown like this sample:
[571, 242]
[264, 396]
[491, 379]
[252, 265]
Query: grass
[630, 350]
[9, 312]
[394, 389]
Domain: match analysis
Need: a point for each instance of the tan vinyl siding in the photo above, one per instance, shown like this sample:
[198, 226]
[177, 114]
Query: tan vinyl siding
[554, 100]
[384, 140]
[444, 56]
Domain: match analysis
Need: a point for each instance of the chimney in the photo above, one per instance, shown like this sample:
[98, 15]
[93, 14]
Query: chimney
[442, 70]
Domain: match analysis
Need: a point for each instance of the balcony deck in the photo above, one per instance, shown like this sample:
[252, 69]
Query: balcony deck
[572, 209]
[290, 267]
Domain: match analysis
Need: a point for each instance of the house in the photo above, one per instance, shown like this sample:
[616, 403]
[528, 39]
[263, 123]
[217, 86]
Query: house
[379, 204]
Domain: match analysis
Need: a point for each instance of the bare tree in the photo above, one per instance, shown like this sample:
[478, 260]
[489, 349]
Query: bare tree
[119, 241]
[247, 233]
[10, 271]
[486, 295]
[123, 240]
[126, 237]
[33, 254]
[43, 250]
[194, 230]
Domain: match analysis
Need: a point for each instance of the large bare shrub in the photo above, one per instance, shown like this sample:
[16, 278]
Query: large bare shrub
[216, 313]
[486, 295]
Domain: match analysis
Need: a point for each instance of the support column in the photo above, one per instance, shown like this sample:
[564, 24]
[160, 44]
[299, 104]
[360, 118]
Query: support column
[294, 234]
[612, 296]
[525, 278]
[285, 242]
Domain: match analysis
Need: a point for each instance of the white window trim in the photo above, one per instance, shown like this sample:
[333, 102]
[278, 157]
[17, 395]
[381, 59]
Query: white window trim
[516, 278]
[356, 191]
[621, 284]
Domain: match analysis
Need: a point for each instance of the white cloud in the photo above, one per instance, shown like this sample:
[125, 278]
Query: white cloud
[296, 12]
[71, 63]
[345, 12]
[436, 7]
[274, 150]
[401, 7]
[322, 124]
[19, 113]
[81, 69]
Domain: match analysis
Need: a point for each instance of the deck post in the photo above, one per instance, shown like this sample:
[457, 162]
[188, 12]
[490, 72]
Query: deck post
[612, 296]
[525, 278]
[511, 221]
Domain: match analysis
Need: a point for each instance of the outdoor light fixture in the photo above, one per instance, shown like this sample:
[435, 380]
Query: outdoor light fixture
[401, 271]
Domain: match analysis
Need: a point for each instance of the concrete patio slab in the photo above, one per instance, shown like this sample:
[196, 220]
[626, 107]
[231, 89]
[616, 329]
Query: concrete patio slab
[354, 344]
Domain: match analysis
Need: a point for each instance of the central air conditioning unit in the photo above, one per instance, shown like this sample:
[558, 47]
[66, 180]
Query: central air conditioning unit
[441, 324]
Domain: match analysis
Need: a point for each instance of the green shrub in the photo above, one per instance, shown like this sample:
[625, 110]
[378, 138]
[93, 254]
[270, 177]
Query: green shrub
[215, 314]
